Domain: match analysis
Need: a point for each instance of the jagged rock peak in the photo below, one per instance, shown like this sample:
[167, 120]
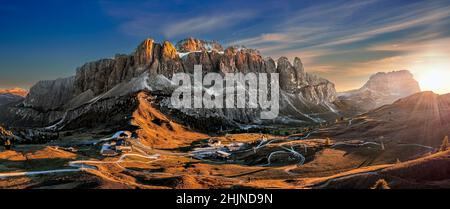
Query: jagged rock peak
[283, 62]
[192, 44]
[288, 75]
[144, 51]
[299, 65]
[169, 51]
[239, 48]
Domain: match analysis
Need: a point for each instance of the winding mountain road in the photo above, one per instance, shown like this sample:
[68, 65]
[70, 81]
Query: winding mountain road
[33, 173]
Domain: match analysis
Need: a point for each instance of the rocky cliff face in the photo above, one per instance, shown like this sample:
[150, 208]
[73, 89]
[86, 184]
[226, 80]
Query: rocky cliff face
[164, 59]
[50, 95]
[151, 66]
[42, 106]
[101, 76]
[382, 89]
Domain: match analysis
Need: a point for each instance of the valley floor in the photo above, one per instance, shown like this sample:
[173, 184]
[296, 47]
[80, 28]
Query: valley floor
[231, 161]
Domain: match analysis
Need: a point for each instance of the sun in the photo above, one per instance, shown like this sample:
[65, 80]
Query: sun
[435, 79]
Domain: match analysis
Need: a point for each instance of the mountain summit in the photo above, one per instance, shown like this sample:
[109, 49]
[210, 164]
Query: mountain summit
[192, 44]
[381, 89]
[396, 83]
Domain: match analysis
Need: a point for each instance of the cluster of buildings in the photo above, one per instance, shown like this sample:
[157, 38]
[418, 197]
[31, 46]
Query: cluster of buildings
[117, 144]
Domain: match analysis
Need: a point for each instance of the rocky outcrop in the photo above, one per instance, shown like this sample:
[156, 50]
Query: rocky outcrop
[170, 62]
[98, 76]
[288, 75]
[294, 79]
[381, 89]
[318, 90]
[50, 95]
[239, 59]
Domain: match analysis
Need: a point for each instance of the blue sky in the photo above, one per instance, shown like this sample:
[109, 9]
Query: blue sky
[344, 41]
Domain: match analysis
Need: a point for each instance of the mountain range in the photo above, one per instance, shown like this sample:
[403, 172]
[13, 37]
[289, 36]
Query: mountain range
[304, 98]
[13, 95]
[150, 67]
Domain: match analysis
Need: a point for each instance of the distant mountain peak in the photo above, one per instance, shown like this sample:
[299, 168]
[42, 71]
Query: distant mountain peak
[382, 88]
[13, 95]
[396, 82]
[15, 91]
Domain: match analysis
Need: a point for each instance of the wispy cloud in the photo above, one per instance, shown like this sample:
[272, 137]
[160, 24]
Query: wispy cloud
[308, 24]
[332, 32]
[347, 42]
[264, 38]
[203, 24]
[329, 12]
[149, 19]
[392, 27]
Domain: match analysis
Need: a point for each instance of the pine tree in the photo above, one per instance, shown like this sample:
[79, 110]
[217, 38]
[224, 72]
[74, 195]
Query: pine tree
[445, 144]
[381, 184]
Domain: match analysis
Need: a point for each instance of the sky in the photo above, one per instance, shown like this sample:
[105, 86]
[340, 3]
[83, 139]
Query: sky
[341, 40]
